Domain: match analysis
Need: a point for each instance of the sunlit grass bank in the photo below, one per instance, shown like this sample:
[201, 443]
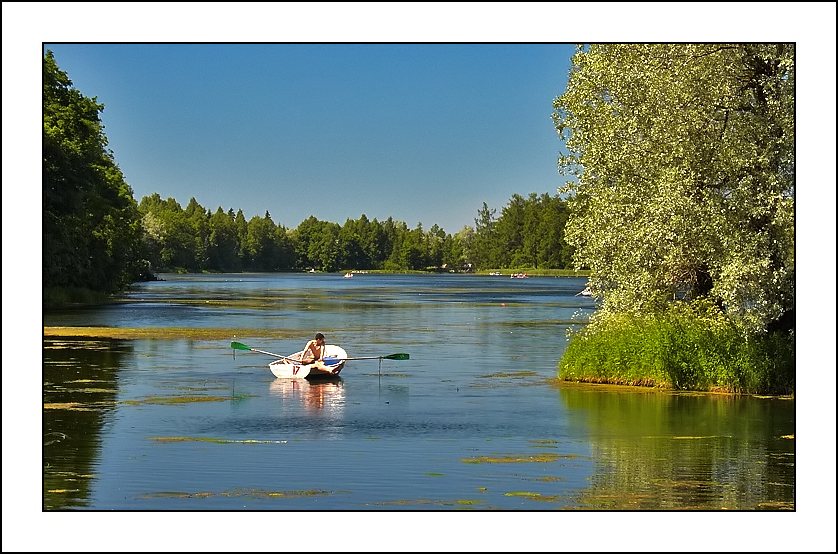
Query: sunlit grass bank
[681, 349]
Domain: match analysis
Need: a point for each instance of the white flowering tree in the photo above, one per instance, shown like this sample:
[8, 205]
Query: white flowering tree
[683, 157]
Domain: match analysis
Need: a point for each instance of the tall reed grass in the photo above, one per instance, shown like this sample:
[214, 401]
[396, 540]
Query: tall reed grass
[688, 347]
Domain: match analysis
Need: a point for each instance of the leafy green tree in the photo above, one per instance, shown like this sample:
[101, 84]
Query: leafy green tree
[301, 237]
[412, 254]
[170, 234]
[530, 253]
[457, 251]
[683, 157]
[374, 241]
[266, 246]
[435, 240]
[509, 235]
[198, 218]
[394, 232]
[317, 245]
[353, 239]
[91, 226]
[223, 247]
[324, 248]
[241, 235]
[553, 251]
[485, 245]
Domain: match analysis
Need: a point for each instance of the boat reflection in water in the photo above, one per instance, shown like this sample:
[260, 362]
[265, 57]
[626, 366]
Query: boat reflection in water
[326, 396]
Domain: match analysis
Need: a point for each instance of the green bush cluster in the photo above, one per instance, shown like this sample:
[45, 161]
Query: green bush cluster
[690, 346]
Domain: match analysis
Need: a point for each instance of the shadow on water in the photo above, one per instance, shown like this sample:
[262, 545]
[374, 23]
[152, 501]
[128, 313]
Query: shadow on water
[668, 450]
[79, 395]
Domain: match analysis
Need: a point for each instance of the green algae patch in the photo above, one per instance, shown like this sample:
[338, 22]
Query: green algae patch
[537, 458]
[549, 479]
[167, 400]
[174, 494]
[626, 500]
[78, 406]
[510, 375]
[251, 493]
[430, 502]
[534, 496]
[775, 505]
[682, 438]
[199, 389]
[216, 440]
[259, 493]
[72, 475]
[167, 333]
[66, 406]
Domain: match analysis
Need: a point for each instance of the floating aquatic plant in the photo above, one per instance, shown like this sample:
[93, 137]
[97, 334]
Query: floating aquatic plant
[538, 458]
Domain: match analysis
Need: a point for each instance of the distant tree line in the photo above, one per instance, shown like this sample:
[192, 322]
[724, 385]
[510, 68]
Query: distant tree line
[528, 233]
[97, 238]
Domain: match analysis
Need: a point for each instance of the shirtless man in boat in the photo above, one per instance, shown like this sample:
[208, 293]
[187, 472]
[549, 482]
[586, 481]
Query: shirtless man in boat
[313, 352]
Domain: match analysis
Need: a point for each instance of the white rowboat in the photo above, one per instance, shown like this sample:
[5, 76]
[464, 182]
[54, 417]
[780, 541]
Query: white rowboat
[334, 359]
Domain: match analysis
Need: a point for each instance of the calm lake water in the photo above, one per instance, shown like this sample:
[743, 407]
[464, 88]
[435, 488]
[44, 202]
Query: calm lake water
[474, 420]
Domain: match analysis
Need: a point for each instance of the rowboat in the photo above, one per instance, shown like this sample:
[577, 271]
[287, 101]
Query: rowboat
[289, 367]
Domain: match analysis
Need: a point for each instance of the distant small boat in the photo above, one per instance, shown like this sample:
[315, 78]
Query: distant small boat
[585, 292]
[348, 275]
[519, 276]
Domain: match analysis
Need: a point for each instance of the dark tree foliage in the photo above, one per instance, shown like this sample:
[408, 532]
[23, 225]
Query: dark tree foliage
[91, 226]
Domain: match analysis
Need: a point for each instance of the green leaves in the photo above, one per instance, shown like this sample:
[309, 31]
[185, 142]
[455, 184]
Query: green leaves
[91, 227]
[685, 175]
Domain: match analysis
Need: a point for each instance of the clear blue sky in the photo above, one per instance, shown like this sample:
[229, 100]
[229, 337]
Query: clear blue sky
[420, 132]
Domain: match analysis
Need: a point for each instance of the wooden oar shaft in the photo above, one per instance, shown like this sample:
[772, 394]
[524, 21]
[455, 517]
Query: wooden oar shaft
[399, 356]
[387, 357]
[276, 355]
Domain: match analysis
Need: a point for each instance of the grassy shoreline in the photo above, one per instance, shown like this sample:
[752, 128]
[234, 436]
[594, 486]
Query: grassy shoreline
[681, 351]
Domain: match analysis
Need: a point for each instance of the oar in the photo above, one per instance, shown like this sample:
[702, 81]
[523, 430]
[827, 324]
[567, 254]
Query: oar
[398, 356]
[239, 346]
